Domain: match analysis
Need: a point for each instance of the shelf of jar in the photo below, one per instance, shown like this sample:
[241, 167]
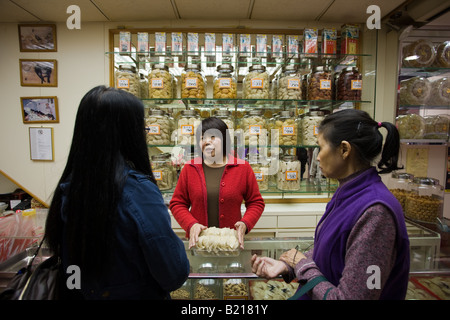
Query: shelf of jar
[241, 103]
[188, 146]
[437, 142]
[306, 188]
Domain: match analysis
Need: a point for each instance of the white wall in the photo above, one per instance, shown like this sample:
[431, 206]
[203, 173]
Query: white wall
[82, 64]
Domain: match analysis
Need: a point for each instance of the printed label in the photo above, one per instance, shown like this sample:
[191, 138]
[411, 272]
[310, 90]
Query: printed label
[325, 84]
[158, 175]
[259, 176]
[157, 83]
[293, 84]
[224, 82]
[356, 84]
[254, 129]
[257, 83]
[154, 129]
[123, 83]
[291, 175]
[315, 130]
[187, 129]
[191, 83]
[288, 131]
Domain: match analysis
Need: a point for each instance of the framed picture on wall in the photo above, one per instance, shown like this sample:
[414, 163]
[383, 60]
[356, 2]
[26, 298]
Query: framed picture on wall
[41, 143]
[39, 109]
[38, 73]
[37, 37]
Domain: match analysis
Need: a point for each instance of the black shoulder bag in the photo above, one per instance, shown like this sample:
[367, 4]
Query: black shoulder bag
[41, 282]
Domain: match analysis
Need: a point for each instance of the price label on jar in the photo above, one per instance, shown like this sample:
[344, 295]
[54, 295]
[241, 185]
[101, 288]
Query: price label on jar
[315, 130]
[291, 175]
[288, 130]
[191, 83]
[153, 129]
[123, 83]
[187, 129]
[157, 83]
[259, 176]
[325, 84]
[256, 83]
[356, 84]
[293, 84]
[224, 83]
[254, 129]
[158, 175]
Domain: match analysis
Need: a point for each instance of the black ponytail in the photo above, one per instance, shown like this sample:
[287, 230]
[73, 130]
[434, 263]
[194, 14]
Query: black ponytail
[362, 132]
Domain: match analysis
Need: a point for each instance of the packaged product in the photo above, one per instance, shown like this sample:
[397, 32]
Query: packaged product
[414, 91]
[419, 54]
[349, 39]
[310, 40]
[410, 126]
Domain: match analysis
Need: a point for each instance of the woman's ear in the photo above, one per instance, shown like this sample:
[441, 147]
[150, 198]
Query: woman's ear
[345, 149]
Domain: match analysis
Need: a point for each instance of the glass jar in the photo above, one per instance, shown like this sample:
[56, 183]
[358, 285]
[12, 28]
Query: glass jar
[425, 201]
[285, 127]
[160, 82]
[310, 127]
[290, 84]
[127, 79]
[187, 126]
[207, 289]
[193, 83]
[254, 125]
[288, 176]
[437, 127]
[143, 86]
[410, 126]
[226, 116]
[163, 171]
[319, 84]
[261, 171]
[414, 91]
[225, 85]
[159, 127]
[400, 185]
[256, 83]
[349, 85]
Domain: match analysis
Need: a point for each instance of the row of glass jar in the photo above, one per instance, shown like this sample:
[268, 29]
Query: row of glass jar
[283, 173]
[319, 84]
[284, 128]
[422, 198]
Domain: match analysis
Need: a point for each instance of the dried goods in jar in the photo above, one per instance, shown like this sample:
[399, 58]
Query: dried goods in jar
[440, 92]
[187, 126]
[193, 84]
[256, 83]
[225, 85]
[290, 84]
[443, 55]
[159, 128]
[285, 129]
[437, 127]
[254, 127]
[319, 84]
[419, 54]
[288, 176]
[410, 126]
[127, 79]
[414, 91]
[310, 127]
[349, 85]
[160, 83]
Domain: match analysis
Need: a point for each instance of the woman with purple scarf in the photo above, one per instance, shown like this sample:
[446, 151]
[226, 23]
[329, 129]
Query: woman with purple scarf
[361, 247]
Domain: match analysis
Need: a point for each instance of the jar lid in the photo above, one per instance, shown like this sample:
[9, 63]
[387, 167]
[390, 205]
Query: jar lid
[289, 157]
[258, 67]
[426, 181]
[255, 112]
[225, 67]
[402, 175]
[161, 66]
[316, 113]
[156, 112]
[161, 157]
[189, 112]
[127, 67]
[318, 68]
[286, 114]
[192, 66]
[222, 113]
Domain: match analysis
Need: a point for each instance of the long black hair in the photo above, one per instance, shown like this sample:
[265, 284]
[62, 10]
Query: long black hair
[362, 132]
[109, 134]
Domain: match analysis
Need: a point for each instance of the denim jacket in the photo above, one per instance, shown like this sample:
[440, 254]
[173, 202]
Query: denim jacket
[150, 259]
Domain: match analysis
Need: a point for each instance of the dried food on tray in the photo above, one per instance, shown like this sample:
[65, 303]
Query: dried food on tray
[215, 241]
[414, 91]
[415, 292]
[439, 285]
[410, 126]
[272, 289]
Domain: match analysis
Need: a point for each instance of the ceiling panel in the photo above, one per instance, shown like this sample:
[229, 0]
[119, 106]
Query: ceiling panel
[339, 10]
[213, 9]
[56, 10]
[136, 10]
[304, 10]
[10, 12]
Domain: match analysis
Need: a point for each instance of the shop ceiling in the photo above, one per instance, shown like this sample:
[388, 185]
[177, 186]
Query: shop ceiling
[348, 11]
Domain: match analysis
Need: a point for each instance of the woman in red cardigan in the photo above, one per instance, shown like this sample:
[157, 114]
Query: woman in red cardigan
[211, 188]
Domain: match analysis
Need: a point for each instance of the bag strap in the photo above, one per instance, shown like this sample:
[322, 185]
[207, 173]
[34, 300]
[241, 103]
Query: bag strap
[30, 263]
[308, 286]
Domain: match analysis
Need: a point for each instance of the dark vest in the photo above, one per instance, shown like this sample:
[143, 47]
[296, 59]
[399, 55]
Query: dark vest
[347, 205]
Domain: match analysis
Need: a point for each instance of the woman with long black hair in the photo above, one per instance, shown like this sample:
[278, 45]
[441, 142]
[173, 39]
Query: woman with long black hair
[107, 215]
